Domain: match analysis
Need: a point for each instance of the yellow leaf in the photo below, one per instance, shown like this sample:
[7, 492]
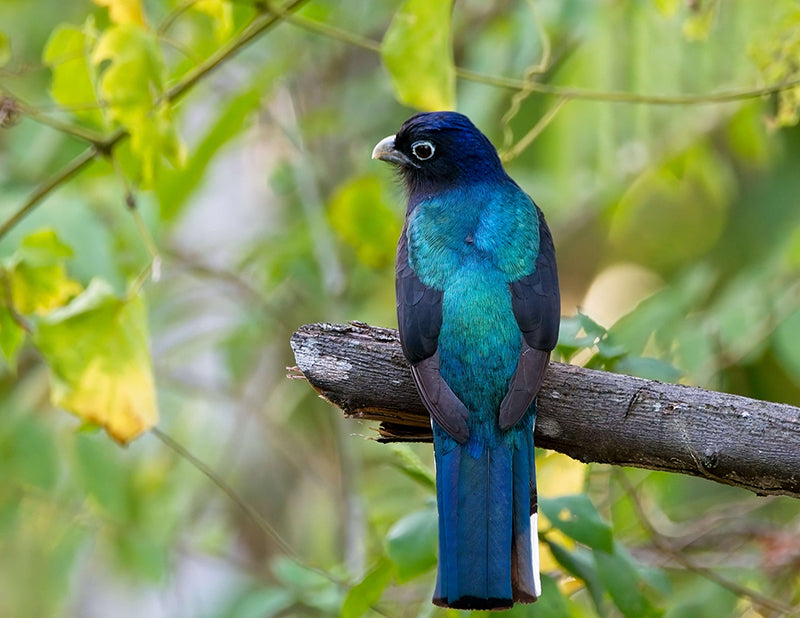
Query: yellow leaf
[100, 367]
[37, 279]
[124, 11]
[41, 289]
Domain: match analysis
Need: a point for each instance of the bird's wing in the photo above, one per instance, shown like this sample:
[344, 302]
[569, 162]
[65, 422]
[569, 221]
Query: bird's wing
[419, 317]
[536, 302]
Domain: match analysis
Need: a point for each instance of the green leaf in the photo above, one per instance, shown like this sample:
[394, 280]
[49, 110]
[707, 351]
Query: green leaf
[103, 475]
[100, 368]
[417, 50]
[28, 453]
[579, 564]
[786, 342]
[650, 368]
[624, 583]
[11, 338]
[309, 587]
[552, 604]
[407, 461]
[411, 544]
[363, 219]
[175, 186]
[368, 591]
[263, 602]
[576, 517]
[67, 54]
[5, 50]
[133, 85]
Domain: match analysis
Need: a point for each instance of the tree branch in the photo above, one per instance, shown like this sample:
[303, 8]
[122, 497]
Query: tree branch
[592, 416]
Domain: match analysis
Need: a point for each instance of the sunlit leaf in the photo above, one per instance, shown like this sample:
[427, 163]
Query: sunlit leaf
[37, 279]
[221, 12]
[367, 591]
[41, 289]
[697, 25]
[667, 8]
[97, 351]
[133, 85]
[5, 49]
[577, 517]
[417, 50]
[364, 219]
[124, 11]
[777, 55]
[67, 54]
[411, 544]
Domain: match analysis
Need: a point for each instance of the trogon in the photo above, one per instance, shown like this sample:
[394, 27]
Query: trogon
[478, 311]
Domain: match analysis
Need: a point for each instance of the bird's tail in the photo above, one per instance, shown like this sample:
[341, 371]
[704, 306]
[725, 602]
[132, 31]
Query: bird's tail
[488, 547]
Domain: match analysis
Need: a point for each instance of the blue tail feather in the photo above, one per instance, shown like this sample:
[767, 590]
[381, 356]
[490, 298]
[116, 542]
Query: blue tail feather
[486, 560]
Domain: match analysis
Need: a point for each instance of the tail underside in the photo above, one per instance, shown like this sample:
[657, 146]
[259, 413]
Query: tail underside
[488, 545]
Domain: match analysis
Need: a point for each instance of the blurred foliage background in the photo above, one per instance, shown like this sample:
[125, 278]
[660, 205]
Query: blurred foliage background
[184, 182]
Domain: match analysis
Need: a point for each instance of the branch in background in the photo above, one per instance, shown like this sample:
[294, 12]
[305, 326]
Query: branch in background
[260, 24]
[662, 543]
[592, 416]
[566, 92]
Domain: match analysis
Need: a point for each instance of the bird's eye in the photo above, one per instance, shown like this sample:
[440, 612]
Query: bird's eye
[423, 150]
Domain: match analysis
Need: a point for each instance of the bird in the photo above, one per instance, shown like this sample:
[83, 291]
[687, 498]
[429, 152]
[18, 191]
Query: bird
[478, 310]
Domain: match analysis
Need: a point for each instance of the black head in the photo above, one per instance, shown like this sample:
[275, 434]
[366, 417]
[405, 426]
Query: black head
[436, 150]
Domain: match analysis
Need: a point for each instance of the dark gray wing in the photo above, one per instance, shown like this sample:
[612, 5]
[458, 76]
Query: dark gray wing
[419, 318]
[536, 302]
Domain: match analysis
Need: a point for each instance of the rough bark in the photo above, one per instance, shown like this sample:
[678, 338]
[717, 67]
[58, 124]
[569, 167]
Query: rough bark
[592, 416]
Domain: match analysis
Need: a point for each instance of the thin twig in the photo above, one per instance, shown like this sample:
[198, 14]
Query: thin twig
[75, 166]
[527, 139]
[663, 544]
[539, 68]
[258, 26]
[73, 130]
[615, 96]
[611, 96]
[246, 507]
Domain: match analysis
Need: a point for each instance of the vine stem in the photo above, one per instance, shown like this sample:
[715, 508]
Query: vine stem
[512, 83]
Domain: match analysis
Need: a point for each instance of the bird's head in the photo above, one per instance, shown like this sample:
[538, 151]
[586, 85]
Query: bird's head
[437, 150]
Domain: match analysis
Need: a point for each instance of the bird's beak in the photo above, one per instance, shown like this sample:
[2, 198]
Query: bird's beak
[385, 151]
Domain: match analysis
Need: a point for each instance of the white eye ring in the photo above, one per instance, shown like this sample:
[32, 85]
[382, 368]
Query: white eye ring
[423, 149]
